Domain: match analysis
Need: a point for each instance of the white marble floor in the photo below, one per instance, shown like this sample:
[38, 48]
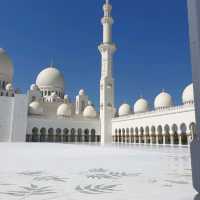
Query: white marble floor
[86, 172]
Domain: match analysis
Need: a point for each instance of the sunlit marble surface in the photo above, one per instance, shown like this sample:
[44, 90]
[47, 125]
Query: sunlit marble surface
[88, 172]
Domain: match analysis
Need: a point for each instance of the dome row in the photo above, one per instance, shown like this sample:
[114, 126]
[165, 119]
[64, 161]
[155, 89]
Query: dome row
[64, 110]
[162, 101]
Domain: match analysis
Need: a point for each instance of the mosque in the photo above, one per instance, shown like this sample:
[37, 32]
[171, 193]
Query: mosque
[46, 114]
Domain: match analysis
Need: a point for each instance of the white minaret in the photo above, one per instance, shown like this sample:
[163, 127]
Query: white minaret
[194, 29]
[107, 49]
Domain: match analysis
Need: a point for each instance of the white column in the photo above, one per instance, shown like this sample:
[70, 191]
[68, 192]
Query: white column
[164, 140]
[157, 140]
[172, 140]
[151, 140]
[139, 139]
[145, 139]
[134, 139]
[179, 140]
[188, 139]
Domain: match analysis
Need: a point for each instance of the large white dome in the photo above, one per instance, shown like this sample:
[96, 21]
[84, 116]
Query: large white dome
[124, 109]
[141, 106]
[64, 110]
[35, 108]
[6, 67]
[9, 87]
[188, 94]
[50, 78]
[163, 100]
[89, 111]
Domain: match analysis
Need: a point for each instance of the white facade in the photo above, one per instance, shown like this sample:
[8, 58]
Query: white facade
[45, 113]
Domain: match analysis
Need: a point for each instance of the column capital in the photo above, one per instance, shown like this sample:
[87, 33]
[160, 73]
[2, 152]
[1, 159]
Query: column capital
[107, 47]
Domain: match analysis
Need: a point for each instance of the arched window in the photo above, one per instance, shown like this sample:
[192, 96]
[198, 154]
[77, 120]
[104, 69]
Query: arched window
[93, 135]
[127, 135]
[35, 136]
[58, 131]
[72, 136]
[132, 135]
[123, 135]
[184, 139]
[142, 134]
[136, 135]
[175, 133]
[167, 134]
[153, 134]
[160, 136]
[35, 130]
[183, 128]
[66, 135]
[58, 135]
[166, 129]
[51, 135]
[66, 131]
[42, 135]
[79, 136]
[120, 135]
[86, 135]
[159, 129]
[147, 133]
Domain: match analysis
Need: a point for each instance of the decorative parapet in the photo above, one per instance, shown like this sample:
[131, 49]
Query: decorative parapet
[174, 109]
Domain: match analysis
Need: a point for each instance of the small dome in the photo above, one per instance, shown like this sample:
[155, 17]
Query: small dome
[35, 108]
[90, 111]
[64, 110]
[163, 100]
[141, 106]
[34, 87]
[124, 109]
[66, 99]
[82, 92]
[9, 87]
[50, 78]
[6, 66]
[188, 94]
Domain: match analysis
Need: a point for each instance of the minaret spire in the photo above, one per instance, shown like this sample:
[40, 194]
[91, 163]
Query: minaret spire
[107, 49]
[107, 22]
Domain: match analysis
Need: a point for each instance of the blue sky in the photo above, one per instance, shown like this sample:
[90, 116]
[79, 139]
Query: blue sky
[151, 37]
